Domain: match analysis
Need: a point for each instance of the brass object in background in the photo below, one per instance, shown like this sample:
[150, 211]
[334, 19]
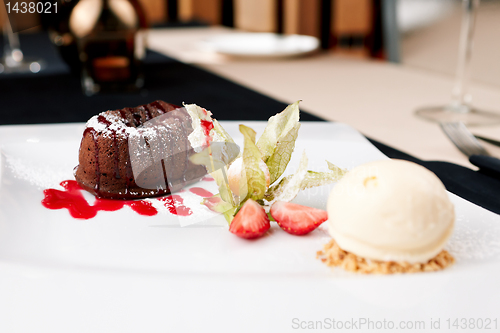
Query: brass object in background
[301, 17]
[155, 11]
[208, 11]
[352, 24]
[255, 15]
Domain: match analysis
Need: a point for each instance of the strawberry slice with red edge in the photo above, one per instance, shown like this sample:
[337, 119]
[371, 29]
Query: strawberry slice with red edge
[297, 219]
[251, 221]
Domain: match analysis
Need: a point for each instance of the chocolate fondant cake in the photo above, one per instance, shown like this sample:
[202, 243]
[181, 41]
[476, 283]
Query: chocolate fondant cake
[160, 153]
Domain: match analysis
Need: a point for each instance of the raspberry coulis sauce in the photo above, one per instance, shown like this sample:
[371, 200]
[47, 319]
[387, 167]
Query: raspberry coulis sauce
[208, 179]
[207, 126]
[175, 205]
[72, 199]
[201, 192]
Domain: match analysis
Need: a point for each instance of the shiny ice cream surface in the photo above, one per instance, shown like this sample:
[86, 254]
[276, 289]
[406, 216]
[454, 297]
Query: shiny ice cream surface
[391, 210]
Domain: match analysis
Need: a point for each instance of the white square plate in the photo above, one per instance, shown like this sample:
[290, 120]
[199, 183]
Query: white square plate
[127, 272]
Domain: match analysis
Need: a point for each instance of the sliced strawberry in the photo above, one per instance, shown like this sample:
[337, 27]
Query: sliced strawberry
[297, 219]
[251, 221]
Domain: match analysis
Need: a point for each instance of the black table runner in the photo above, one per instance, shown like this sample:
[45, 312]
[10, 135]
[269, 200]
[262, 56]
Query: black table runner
[55, 96]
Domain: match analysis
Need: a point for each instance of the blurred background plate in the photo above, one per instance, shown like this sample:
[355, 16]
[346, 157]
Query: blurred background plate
[261, 45]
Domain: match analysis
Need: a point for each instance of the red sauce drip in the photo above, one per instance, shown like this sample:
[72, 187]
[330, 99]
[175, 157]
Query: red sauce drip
[103, 120]
[201, 192]
[174, 203]
[212, 202]
[106, 122]
[167, 185]
[73, 200]
[158, 106]
[108, 205]
[71, 185]
[207, 126]
[208, 179]
[143, 208]
[70, 199]
[123, 114]
[149, 115]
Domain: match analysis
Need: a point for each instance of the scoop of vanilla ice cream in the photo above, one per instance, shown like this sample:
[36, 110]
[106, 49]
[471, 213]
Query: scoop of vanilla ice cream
[391, 210]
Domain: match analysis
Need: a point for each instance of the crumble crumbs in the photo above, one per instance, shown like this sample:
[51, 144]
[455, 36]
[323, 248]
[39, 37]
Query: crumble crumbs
[333, 256]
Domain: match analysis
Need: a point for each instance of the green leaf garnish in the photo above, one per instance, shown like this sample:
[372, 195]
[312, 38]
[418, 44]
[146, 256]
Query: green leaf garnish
[277, 126]
[215, 160]
[339, 172]
[278, 161]
[221, 132]
[284, 190]
[216, 204]
[291, 187]
[220, 152]
[274, 148]
[252, 180]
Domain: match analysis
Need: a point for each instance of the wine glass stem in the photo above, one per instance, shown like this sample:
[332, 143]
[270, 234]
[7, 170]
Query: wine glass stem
[459, 97]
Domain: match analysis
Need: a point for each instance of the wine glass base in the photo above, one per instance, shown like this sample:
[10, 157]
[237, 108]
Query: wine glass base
[27, 65]
[473, 117]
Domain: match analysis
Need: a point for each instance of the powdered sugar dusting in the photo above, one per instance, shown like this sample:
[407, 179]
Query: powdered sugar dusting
[475, 240]
[37, 173]
[96, 124]
[117, 125]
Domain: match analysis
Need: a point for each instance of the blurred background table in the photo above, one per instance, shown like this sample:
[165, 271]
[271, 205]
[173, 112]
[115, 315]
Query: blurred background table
[363, 75]
[381, 60]
[376, 97]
